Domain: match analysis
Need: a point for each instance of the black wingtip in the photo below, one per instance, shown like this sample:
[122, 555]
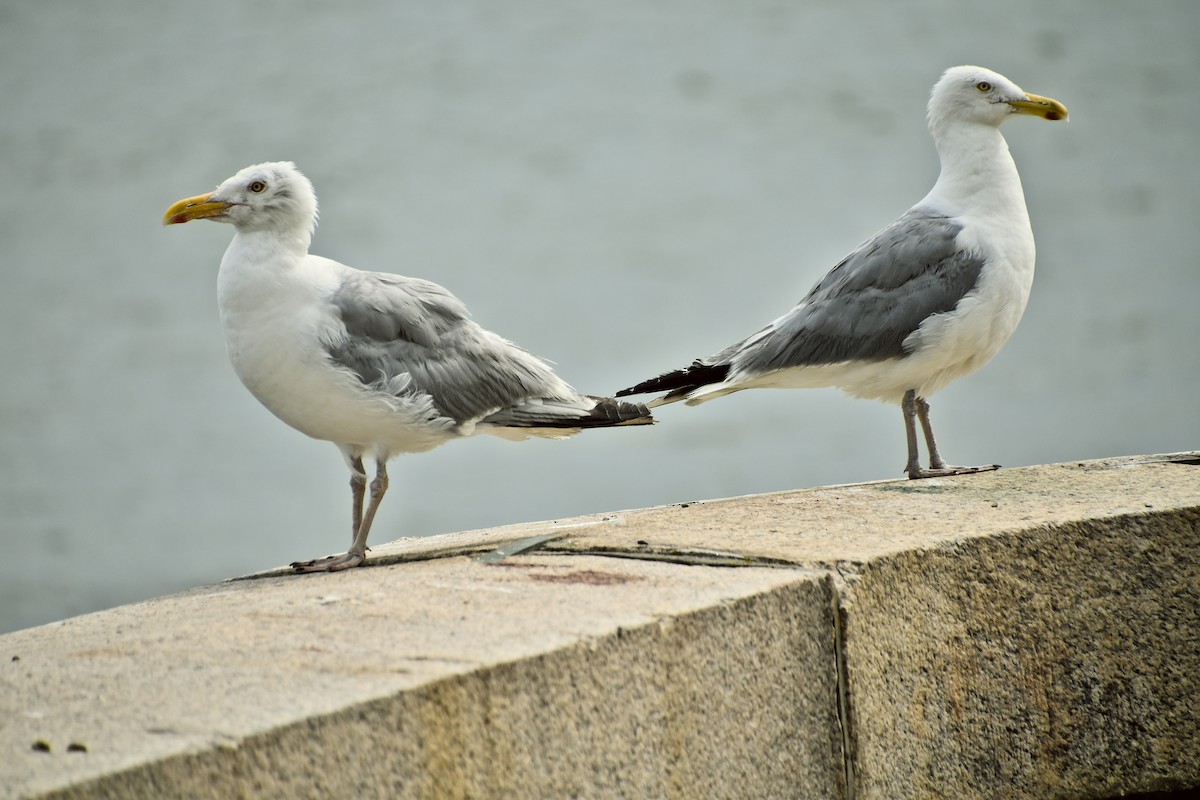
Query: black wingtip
[681, 381]
[609, 411]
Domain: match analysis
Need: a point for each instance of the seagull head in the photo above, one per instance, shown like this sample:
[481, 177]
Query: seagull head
[274, 196]
[981, 96]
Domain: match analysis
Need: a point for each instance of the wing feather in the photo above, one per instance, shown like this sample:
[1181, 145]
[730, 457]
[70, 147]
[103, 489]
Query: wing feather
[411, 335]
[866, 307]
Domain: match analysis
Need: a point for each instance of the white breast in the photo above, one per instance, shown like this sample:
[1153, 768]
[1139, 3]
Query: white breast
[277, 321]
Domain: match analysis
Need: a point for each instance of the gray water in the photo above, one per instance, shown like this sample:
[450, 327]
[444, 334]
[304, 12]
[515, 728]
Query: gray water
[619, 187]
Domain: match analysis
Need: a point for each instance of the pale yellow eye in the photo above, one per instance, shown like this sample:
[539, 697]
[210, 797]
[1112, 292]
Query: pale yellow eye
[983, 86]
[258, 187]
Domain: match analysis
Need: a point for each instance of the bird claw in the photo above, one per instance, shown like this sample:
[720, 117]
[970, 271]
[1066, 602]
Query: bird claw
[915, 473]
[330, 563]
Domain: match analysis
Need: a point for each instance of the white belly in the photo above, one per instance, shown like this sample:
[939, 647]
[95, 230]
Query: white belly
[275, 333]
[286, 368]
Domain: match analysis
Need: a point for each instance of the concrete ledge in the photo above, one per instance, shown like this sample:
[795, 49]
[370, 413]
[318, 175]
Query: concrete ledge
[1032, 632]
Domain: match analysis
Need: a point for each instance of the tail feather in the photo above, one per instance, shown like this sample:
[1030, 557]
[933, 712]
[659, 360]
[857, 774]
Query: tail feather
[609, 411]
[606, 412]
[679, 383]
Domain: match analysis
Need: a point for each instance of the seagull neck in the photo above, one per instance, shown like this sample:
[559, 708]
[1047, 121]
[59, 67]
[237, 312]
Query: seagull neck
[259, 268]
[977, 170]
[264, 242]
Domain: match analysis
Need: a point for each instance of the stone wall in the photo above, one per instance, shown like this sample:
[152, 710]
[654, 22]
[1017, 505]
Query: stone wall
[1033, 632]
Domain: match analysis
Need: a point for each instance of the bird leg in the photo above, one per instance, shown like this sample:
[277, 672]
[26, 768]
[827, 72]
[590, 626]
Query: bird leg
[379, 487]
[908, 406]
[357, 554]
[918, 408]
[358, 488]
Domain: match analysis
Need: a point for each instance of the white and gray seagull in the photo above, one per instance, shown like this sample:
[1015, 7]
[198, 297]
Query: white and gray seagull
[928, 299]
[379, 364]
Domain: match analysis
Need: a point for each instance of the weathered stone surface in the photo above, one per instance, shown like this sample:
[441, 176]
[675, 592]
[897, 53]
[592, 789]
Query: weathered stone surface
[1063, 661]
[1030, 632]
[535, 677]
[1027, 633]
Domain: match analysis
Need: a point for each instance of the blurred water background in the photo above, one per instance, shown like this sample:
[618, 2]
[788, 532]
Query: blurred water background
[619, 187]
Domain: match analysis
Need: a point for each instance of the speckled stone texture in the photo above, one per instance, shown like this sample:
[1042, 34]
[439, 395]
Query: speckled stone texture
[537, 677]
[1027, 633]
[1063, 661]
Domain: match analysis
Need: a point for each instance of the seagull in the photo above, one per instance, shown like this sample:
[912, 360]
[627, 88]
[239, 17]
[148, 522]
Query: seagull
[930, 298]
[379, 364]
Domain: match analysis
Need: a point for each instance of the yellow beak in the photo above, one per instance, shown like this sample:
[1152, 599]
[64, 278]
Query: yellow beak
[198, 207]
[1038, 106]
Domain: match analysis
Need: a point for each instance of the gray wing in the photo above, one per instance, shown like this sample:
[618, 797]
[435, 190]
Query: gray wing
[867, 305]
[406, 334]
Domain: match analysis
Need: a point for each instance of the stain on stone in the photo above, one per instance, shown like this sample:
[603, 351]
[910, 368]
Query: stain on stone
[588, 577]
[915, 487]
